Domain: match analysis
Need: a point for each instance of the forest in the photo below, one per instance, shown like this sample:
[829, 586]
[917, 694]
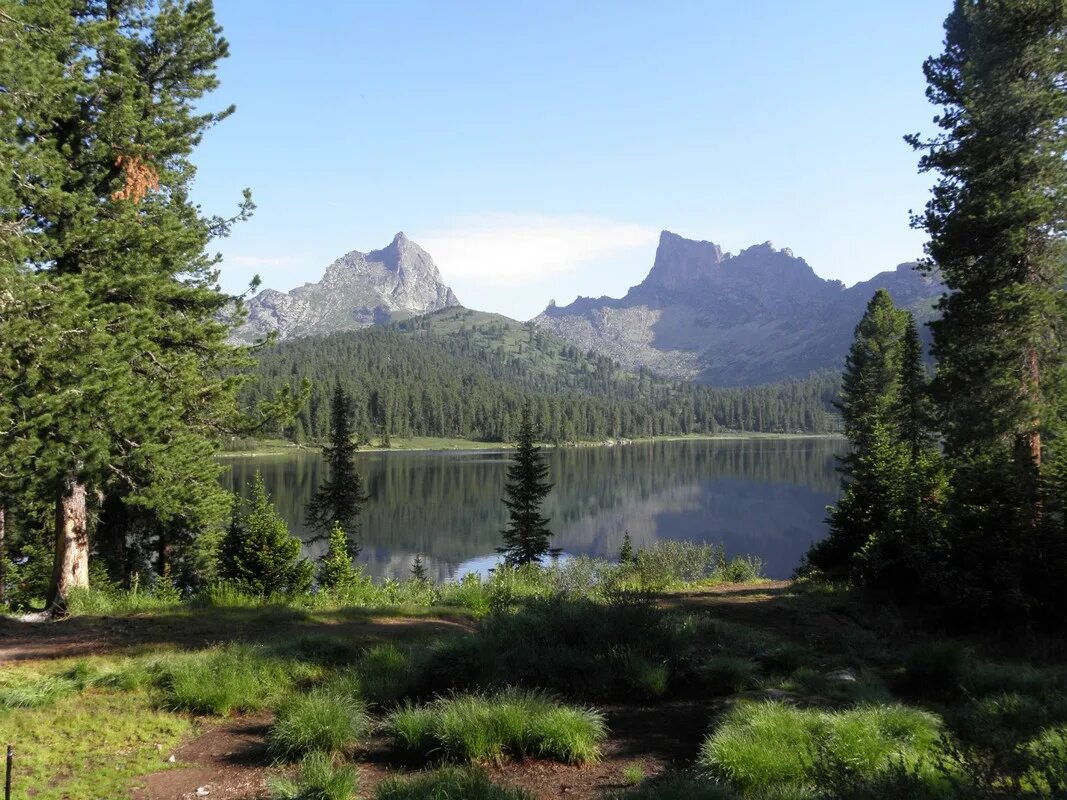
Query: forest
[466, 374]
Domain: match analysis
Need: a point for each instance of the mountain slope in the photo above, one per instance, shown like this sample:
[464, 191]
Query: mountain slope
[731, 320]
[466, 374]
[357, 290]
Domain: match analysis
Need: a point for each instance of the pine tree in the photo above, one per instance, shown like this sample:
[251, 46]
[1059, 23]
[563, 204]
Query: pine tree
[258, 554]
[997, 222]
[418, 569]
[100, 111]
[336, 570]
[626, 552]
[339, 500]
[526, 539]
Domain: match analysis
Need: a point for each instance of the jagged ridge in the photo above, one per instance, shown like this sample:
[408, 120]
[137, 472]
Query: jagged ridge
[759, 316]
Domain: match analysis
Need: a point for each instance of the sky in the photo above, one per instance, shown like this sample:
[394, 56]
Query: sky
[536, 149]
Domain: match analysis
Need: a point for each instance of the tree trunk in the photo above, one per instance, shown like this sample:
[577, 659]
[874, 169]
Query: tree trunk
[3, 553]
[70, 569]
[1033, 436]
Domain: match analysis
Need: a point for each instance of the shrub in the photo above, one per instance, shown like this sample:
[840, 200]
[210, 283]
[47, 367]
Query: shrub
[486, 728]
[769, 746]
[336, 570]
[448, 783]
[318, 779]
[319, 721]
[222, 680]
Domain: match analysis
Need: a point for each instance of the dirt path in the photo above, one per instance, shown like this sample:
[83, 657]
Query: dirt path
[230, 762]
[81, 636]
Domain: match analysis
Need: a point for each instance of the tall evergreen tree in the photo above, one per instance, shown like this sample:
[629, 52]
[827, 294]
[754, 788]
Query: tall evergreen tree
[527, 536]
[870, 391]
[997, 223]
[101, 109]
[339, 499]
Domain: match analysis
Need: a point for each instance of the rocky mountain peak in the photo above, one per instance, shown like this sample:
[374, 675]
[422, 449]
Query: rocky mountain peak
[356, 290]
[680, 262]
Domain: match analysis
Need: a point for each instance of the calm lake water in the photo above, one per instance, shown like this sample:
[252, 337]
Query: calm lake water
[765, 497]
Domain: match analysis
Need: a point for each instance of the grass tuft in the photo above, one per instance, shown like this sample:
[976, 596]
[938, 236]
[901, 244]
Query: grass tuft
[770, 746]
[486, 728]
[319, 779]
[319, 721]
[223, 680]
[448, 783]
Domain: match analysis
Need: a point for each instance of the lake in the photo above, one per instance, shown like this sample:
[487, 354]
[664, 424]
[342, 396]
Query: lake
[764, 497]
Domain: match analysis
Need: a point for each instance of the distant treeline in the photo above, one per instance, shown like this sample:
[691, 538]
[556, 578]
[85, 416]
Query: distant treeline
[472, 384]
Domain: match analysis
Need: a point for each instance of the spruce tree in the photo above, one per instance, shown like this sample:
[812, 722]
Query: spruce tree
[527, 536]
[997, 223]
[336, 570]
[626, 552]
[258, 554]
[870, 391]
[339, 499]
[418, 569]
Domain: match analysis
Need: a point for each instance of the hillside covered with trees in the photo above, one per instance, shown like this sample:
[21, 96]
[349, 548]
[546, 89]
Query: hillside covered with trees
[463, 373]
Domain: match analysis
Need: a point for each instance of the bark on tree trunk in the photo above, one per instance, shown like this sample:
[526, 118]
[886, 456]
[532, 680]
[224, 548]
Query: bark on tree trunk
[1033, 368]
[3, 553]
[71, 566]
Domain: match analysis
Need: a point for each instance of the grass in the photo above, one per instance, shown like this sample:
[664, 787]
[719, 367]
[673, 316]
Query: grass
[448, 783]
[723, 675]
[91, 745]
[319, 778]
[633, 774]
[487, 728]
[222, 680]
[322, 720]
[765, 746]
[680, 787]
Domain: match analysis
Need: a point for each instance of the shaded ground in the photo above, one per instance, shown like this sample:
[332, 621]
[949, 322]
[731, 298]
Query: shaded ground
[228, 760]
[81, 636]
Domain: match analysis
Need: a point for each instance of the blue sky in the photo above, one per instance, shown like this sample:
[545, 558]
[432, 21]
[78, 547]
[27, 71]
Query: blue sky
[536, 149]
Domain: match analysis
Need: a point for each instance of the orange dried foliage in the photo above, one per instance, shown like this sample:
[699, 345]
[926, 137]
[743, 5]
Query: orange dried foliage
[139, 178]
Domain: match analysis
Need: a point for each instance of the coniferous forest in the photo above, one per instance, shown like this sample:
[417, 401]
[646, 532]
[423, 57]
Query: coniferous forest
[465, 374]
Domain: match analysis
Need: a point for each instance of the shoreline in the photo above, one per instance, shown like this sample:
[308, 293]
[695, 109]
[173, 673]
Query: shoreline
[426, 444]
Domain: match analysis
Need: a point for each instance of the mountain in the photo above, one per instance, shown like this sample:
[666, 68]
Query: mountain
[358, 289]
[759, 316]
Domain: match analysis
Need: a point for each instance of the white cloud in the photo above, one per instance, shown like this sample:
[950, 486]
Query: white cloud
[260, 261]
[511, 249]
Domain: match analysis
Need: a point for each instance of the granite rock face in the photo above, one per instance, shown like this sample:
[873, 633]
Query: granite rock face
[732, 320]
[357, 290]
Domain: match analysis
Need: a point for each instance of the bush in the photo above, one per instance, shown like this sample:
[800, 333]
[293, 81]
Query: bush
[319, 779]
[319, 721]
[486, 728]
[447, 783]
[769, 746]
[223, 680]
